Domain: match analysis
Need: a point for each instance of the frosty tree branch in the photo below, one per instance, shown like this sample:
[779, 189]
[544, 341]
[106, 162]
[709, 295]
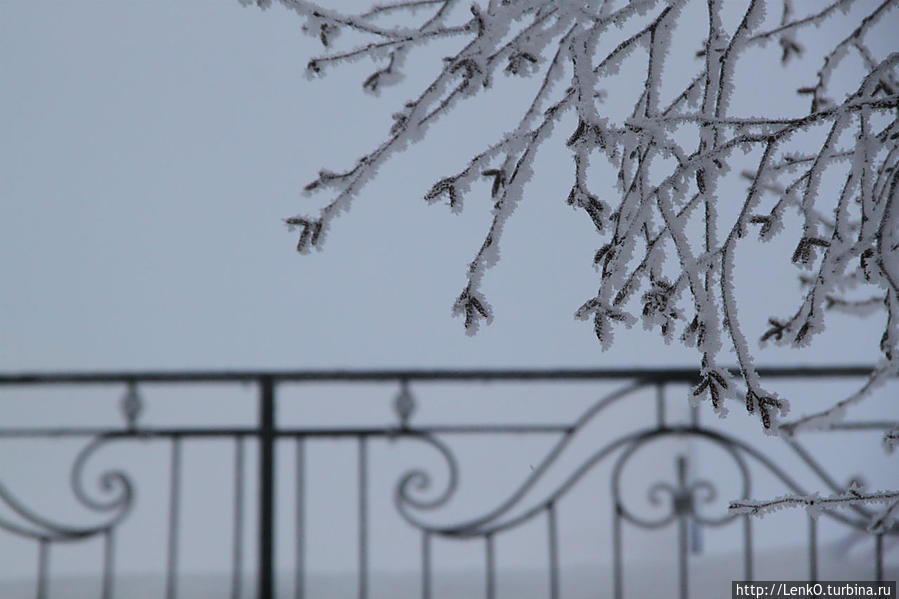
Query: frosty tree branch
[814, 504]
[666, 252]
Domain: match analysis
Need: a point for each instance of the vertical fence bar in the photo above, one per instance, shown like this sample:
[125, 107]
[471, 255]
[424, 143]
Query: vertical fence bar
[425, 565]
[491, 566]
[42, 559]
[266, 561]
[682, 549]
[299, 591]
[616, 552]
[878, 557]
[812, 549]
[553, 533]
[174, 502]
[237, 535]
[747, 547]
[696, 528]
[108, 555]
[363, 518]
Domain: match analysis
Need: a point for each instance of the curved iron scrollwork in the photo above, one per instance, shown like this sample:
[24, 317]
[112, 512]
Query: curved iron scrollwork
[491, 521]
[116, 488]
[416, 481]
[115, 504]
[683, 497]
[681, 503]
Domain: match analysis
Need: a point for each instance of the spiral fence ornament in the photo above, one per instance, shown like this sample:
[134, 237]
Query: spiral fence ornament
[116, 507]
[115, 485]
[492, 520]
[413, 483]
[684, 497]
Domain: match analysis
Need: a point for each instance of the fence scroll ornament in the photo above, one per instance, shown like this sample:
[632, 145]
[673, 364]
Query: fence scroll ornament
[424, 497]
[679, 503]
[683, 498]
[112, 499]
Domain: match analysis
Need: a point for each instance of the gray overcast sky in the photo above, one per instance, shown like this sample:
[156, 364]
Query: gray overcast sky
[150, 151]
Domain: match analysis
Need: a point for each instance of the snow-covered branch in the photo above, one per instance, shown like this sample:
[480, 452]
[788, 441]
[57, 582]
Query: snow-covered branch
[666, 248]
[815, 503]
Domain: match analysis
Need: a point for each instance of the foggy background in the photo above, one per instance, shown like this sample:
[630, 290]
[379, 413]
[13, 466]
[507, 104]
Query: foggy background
[150, 153]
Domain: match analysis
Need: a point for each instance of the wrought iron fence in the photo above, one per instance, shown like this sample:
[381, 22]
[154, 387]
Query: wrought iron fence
[414, 495]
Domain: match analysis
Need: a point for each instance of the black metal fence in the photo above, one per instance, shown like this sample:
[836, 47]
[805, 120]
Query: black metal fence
[682, 498]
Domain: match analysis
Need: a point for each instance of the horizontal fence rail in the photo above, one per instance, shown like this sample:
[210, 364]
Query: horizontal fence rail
[522, 505]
